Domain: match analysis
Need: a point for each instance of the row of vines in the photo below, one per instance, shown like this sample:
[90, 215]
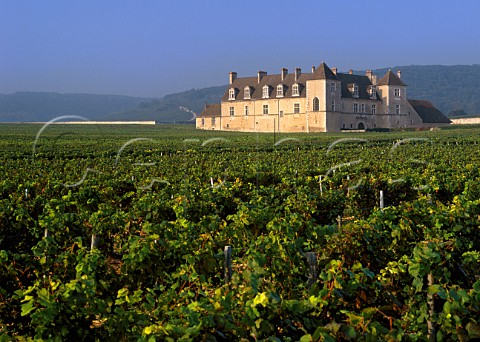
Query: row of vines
[161, 204]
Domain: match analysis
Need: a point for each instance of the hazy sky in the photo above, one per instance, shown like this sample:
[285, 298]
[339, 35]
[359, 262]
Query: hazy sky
[155, 47]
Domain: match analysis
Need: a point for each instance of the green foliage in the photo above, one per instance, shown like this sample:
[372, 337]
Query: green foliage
[158, 271]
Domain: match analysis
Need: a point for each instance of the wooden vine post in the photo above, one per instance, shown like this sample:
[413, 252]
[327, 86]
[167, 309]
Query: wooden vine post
[431, 311]
[228, 264]
[95, 241]
[312, 268]
[320, 184]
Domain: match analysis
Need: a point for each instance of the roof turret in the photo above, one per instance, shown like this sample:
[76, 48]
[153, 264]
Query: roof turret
[391, 79]
[323, 72]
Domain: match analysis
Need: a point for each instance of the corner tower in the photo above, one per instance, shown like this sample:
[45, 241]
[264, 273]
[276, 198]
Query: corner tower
[393, 93]
[323, 91]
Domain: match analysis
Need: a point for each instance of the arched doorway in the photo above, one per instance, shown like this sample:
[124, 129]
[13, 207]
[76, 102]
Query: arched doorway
[361, 126]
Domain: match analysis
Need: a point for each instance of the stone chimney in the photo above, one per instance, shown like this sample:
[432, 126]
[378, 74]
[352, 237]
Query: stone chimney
[399, 74]
[284, 73]
[369, 74]
[233, 76]
[334, 70]
[298, 71]
[261, 74]
[313, 69]
[350, 72]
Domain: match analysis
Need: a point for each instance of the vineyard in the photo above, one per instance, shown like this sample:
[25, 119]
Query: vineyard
[155, 233]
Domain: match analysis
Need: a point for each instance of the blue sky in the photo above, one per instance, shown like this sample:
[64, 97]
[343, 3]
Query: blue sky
[153, 48]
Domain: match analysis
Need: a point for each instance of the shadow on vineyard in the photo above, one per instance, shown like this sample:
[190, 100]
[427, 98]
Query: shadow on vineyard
[347, 243]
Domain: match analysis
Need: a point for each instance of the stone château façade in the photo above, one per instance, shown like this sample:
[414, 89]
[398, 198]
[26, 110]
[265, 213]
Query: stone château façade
[322, 100]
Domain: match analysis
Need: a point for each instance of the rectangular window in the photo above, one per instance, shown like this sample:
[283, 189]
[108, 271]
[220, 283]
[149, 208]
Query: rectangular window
[231, 94]
[246, 110]
[374, 109]
[213, 120]
[296, 108]
[397, 92]
[397, 109]
[333, 106]
[265, 109]
[332, 87]
[281, 113]
[203, 121]
[232, 111]
[362, 108]
[355, 107]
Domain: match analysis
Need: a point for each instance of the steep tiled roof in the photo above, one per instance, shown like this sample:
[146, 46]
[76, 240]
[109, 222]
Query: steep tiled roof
[211, 110]
[390, 78]
[256, 89]
[363, 83]
[323, 72]
[428, 112]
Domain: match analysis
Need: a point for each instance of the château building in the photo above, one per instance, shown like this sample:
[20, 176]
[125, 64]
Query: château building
[322, 100]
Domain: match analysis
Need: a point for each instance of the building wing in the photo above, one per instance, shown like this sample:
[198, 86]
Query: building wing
[211, 110]
[428, 112]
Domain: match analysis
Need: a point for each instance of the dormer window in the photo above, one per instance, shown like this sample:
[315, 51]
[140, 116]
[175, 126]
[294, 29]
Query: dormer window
[231, 94]
[265, 93]
[246, 93]
[295, 90]
[373, 92]
[355, 90]
[280, 90]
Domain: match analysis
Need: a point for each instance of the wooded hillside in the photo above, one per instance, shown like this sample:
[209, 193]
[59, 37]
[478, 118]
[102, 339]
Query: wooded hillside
[452, 89]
